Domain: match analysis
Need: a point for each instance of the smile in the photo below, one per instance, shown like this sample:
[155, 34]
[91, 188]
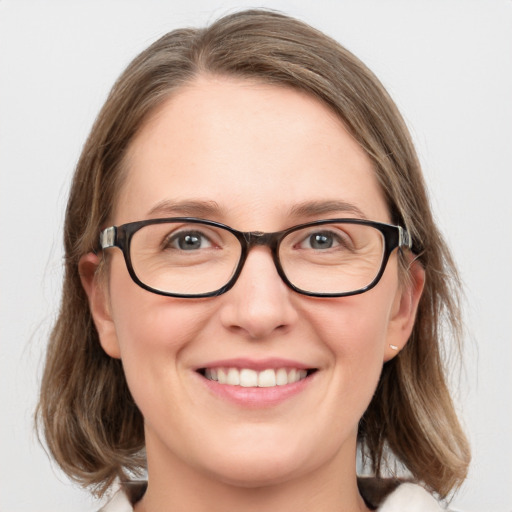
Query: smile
[249, 378]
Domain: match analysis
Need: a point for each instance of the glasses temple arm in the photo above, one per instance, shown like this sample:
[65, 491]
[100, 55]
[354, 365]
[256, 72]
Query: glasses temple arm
[108, 237]
[404, 239]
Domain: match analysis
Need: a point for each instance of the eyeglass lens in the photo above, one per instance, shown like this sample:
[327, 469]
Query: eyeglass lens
[195, 258]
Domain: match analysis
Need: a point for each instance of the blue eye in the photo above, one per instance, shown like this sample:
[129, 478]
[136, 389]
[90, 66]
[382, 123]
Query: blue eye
[321, 240]
[189, 241]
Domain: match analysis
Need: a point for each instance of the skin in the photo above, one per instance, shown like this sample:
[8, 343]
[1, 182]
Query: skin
[257, 151]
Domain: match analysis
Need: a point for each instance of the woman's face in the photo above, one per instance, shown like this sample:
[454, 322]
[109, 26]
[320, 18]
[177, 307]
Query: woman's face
[258, 158]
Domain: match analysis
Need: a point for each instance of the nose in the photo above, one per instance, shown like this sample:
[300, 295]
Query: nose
[259, 304]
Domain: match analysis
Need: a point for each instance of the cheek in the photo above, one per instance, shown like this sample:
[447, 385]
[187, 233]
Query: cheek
[355, 327]
[149, 327]
[354, 330]
[152, 329]
[146, 322]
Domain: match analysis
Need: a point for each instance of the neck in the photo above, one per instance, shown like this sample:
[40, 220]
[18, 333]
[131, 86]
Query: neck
[174, 486]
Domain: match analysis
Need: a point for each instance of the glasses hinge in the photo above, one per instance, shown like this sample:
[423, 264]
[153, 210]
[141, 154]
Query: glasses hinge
[404, 239]
[107, 237]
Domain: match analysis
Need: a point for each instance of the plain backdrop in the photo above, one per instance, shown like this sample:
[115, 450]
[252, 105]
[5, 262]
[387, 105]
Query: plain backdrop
[448, 65]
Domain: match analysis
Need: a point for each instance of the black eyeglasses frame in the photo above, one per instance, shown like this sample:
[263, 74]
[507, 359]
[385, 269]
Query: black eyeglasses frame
[120, 237]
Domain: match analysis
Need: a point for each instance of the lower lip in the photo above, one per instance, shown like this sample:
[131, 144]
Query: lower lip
[257, 397]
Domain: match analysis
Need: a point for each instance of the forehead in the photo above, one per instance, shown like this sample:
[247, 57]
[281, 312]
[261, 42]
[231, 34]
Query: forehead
[254, 150]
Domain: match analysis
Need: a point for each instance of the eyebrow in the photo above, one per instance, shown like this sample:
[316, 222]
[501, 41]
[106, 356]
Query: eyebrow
[316, 208]
[191, 208]
[211, 209]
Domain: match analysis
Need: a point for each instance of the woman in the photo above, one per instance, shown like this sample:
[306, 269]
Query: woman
[254, 286]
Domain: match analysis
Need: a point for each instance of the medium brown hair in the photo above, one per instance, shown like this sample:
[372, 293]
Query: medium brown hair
[91, 424]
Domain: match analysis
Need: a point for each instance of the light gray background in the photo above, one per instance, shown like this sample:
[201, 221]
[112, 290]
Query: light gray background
[447, 63]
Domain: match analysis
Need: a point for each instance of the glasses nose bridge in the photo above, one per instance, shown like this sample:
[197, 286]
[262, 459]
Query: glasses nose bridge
[259, 238]
[252, 239]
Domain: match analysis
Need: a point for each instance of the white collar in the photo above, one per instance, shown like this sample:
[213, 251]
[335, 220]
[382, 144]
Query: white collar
[410, 498]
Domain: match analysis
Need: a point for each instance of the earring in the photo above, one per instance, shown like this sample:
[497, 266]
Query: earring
[393, 347]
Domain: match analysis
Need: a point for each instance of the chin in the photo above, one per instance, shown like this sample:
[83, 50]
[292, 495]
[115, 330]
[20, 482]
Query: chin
[262, 464]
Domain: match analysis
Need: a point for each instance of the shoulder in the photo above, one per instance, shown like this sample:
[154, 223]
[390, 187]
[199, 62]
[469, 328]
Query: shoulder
[396, 495]
[411, 498]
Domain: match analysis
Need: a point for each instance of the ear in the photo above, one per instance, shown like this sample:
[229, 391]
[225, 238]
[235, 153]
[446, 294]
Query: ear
[95, 286]
[404, 310]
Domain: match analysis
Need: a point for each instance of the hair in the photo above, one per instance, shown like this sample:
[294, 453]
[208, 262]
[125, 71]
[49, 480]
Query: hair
[90, 422]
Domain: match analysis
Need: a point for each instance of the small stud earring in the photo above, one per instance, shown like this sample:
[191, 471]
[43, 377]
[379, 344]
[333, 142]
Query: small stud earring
[393, 347]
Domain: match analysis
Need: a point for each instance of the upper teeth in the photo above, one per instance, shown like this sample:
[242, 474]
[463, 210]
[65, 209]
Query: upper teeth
[248, 378]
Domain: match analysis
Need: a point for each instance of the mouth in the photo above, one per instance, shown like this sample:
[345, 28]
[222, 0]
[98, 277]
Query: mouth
[250, 378]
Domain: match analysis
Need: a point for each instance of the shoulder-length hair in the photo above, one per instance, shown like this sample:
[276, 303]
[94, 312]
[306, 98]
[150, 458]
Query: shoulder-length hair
[91, 424]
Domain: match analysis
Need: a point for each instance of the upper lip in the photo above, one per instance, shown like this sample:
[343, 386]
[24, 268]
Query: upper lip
[256, 364]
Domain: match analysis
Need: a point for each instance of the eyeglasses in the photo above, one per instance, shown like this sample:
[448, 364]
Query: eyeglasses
[192, 258]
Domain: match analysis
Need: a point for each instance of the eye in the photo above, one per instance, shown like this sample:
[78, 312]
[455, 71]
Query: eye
[188, 241]
[320, 240]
